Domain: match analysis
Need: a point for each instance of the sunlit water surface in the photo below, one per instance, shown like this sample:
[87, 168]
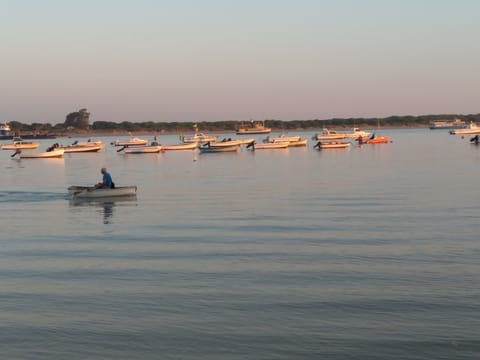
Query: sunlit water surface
[365, 253]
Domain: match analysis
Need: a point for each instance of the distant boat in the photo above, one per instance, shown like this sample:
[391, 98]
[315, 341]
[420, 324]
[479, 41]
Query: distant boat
[131, 142]
[19, 143]
[255, 127]
[198, 137]
[327, 134]
[356, 133]
[5, 129]
[447, 124]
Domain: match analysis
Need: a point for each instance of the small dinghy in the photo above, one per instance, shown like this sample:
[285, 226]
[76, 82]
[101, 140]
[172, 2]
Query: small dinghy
[91, 192]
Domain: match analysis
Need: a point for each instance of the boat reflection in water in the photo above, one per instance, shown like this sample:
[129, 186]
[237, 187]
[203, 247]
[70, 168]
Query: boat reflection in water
[106, 206]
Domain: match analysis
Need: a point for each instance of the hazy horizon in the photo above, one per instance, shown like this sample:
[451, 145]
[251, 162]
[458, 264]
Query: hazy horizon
[216, 60]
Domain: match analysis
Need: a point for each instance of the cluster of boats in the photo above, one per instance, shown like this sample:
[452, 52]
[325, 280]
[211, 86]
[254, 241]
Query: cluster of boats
[56, 150]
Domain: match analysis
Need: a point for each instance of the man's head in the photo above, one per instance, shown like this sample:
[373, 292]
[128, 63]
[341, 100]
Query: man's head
[103, 170]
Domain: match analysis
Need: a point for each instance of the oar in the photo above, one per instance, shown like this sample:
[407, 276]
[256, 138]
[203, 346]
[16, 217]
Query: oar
[18, 151]
[123, 147]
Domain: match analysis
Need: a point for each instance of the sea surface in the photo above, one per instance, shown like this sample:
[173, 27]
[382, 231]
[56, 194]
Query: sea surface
[367, 253]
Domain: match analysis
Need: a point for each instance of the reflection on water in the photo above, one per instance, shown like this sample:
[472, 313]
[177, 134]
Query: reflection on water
[106, 206]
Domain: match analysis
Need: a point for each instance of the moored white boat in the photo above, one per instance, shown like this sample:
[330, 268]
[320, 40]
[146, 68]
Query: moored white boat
[332, 145]
[142, 149]
[300, 142]
[55, 153]
[265, 146]
[356, 133]
[282, 138]
[133, 141]
[92, 193]
[175, 147]
[209, 148]
[19, 143]
[77, 148]
[327, 134]
[472, 128]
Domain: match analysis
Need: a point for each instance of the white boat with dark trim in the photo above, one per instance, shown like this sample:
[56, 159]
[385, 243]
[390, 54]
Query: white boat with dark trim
[210, 148]
[19, 143]
[93, 193]
[176, 147]
[56, 153]
[133, 141]
[356, 133]
[327, 134]
[81, 147]
[282, 138]
[198, 137]
[332, 145]
[267, 146]
[152, 149]
[472, 128]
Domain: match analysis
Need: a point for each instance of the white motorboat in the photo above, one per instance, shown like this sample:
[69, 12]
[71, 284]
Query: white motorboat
[265, 146]
[133, 141]
[188, 146]
[209, 148]
[357, 133]
[332, 145]
[198, 137]
[327, 134]
[92, 193]
[55, 153]
[19, 143]
[78, 147]
[282, 138]
[472, 128]
[142, 149]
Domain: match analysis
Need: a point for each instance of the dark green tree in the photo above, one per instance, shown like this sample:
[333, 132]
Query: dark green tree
[78, 119]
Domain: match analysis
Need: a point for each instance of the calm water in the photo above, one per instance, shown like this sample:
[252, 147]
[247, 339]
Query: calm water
[368, 253]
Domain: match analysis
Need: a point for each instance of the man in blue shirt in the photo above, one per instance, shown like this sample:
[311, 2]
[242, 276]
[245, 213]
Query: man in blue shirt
[106, 180]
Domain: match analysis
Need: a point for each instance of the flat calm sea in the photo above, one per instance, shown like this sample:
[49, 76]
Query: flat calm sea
[367, 253]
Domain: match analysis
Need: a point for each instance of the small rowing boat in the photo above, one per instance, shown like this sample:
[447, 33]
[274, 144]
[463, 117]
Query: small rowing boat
[91, 193]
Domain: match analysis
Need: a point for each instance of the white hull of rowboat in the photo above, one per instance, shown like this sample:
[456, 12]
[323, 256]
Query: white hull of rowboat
[85, 192]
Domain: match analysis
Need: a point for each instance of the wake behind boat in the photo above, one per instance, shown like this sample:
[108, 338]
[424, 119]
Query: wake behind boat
[91, 192]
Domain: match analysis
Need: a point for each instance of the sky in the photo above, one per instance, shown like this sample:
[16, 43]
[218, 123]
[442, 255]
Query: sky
[216, 60]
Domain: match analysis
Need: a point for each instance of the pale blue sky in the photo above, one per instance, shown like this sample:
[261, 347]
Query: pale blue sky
[212, 60]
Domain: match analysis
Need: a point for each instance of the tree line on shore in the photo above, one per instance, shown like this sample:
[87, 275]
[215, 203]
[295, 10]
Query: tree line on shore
[80, 120]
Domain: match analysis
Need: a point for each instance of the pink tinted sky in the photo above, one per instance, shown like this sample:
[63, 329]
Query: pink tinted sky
[214, 60]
